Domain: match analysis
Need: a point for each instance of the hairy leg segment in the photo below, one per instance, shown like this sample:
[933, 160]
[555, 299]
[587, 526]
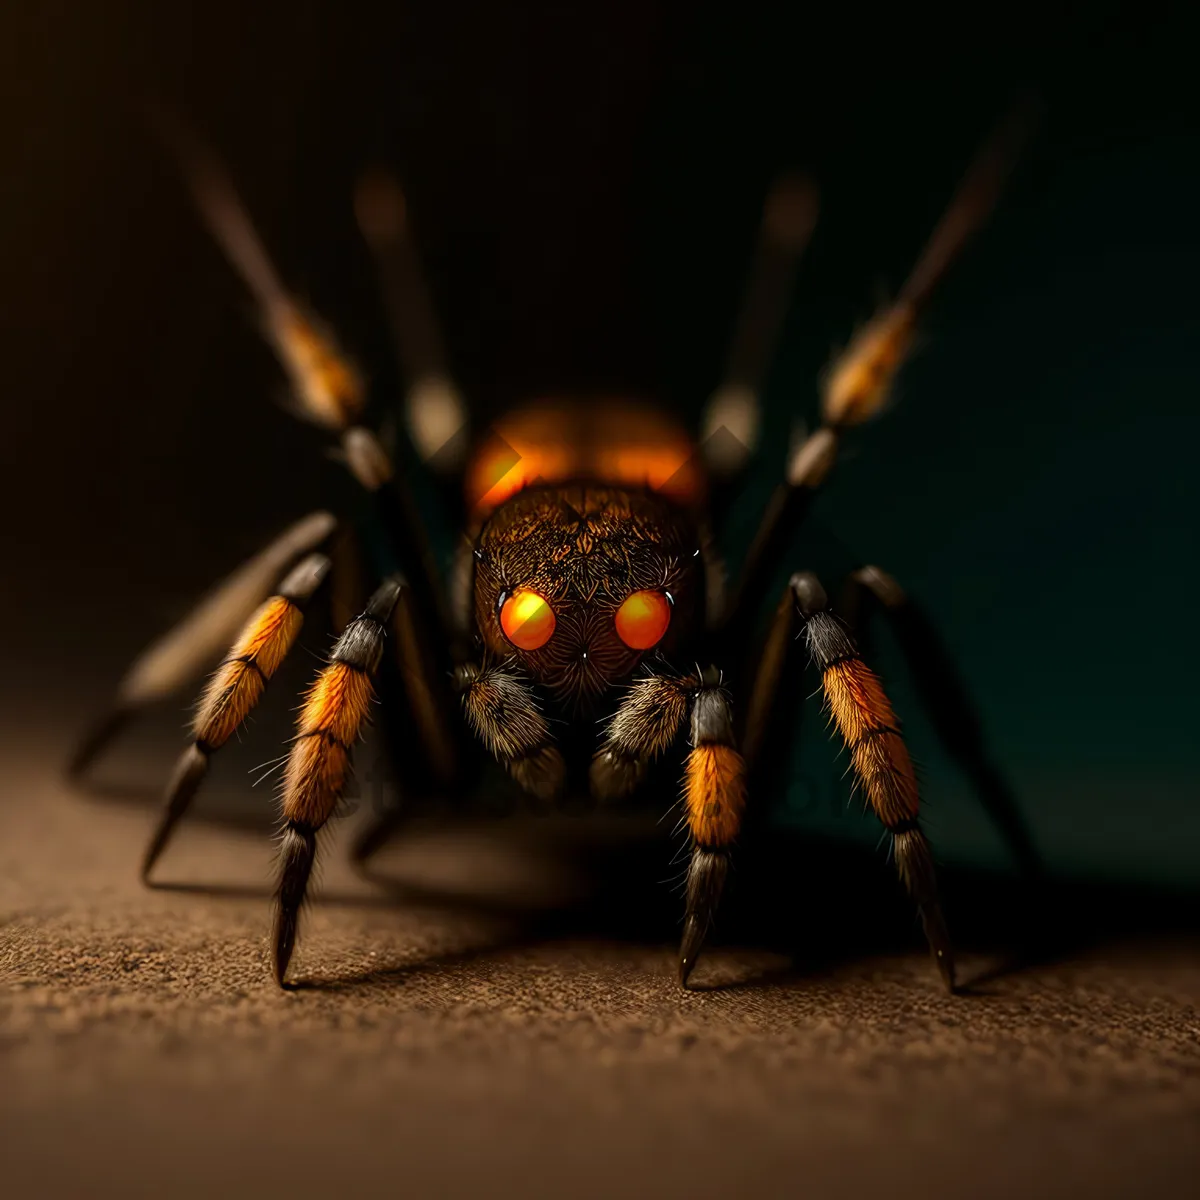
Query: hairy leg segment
[234, 690]
[185, 651]
[501, 708]
[334, 714]
[882, 767]
[945, 696]
[714, 795]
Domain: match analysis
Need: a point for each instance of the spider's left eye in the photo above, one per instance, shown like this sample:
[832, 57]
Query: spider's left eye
[526, 618]
[643, 618]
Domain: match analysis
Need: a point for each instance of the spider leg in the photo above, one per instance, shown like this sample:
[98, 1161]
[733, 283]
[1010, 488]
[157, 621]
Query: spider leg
[714, 800]
[647, 723]
[411, 693]
[234, 690]
[327, 387]
[349, 578]
[869, 728]
[434, 412]
[763, 692]
[334, 712]
[858, 383]
[503, 711]
[808, 465]
[182, 654]
[410, 671]
[954, 715]
[730, 424]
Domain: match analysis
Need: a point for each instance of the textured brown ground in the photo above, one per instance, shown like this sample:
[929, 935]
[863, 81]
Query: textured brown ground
[451, 1048]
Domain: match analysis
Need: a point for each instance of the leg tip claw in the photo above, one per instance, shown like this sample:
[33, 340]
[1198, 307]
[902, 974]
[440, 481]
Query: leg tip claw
[706, 881]
[945, 964]
[689, 949]
[279, 966]
[297, 852]
[147, 866]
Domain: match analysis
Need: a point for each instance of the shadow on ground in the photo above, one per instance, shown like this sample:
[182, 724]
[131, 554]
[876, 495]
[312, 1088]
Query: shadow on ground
[815, 902]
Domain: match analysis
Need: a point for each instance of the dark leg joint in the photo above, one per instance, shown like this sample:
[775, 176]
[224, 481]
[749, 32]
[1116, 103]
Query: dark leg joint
[361, 646]
[705, 883]
[297, 851]
[810, 595]
[712, 720]
[383, 602]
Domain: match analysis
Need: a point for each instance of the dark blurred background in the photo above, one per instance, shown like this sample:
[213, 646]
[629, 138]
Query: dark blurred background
[585, 183]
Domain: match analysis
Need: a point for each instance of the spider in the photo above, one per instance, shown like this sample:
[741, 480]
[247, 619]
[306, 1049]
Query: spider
[587, 572]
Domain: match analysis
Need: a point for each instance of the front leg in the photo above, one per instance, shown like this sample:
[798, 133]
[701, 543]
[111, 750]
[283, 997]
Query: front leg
[501, 708]
[715, 798]
[333, 715]
[644, 726]
[648, 721]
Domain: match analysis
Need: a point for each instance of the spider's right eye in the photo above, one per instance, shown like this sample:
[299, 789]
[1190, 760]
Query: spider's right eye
[526, 618]
[643, 618]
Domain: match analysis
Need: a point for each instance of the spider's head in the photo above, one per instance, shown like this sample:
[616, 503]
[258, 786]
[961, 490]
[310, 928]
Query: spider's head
[580, 583]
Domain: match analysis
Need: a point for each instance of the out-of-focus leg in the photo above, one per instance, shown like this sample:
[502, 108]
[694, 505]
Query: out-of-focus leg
[234, 691]
[184, 652]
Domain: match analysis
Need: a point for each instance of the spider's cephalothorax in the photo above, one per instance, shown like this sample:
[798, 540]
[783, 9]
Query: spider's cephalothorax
[585, 573]
[577, 583]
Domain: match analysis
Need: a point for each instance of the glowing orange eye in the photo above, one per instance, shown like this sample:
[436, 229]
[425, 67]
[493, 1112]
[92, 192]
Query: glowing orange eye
[643, 618]
[527, 620]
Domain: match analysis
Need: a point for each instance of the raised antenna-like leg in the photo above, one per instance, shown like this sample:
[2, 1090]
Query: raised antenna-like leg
[730, 426]
[436, 417]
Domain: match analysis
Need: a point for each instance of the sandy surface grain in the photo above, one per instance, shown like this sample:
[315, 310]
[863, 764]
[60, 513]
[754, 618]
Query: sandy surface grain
[453, 1048]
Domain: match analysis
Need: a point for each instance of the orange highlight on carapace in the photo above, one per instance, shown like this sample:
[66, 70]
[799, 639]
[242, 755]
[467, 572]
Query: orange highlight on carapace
[616, 443]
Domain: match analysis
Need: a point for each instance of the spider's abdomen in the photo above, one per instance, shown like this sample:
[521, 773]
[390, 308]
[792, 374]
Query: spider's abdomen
[618, 443]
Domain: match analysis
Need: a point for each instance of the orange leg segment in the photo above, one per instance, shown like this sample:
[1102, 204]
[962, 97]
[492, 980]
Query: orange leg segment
[881, 762]
[234, 689]
[333, 716]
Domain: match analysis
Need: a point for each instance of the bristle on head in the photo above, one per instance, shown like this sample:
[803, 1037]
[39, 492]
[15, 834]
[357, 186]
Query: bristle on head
[859, 382]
